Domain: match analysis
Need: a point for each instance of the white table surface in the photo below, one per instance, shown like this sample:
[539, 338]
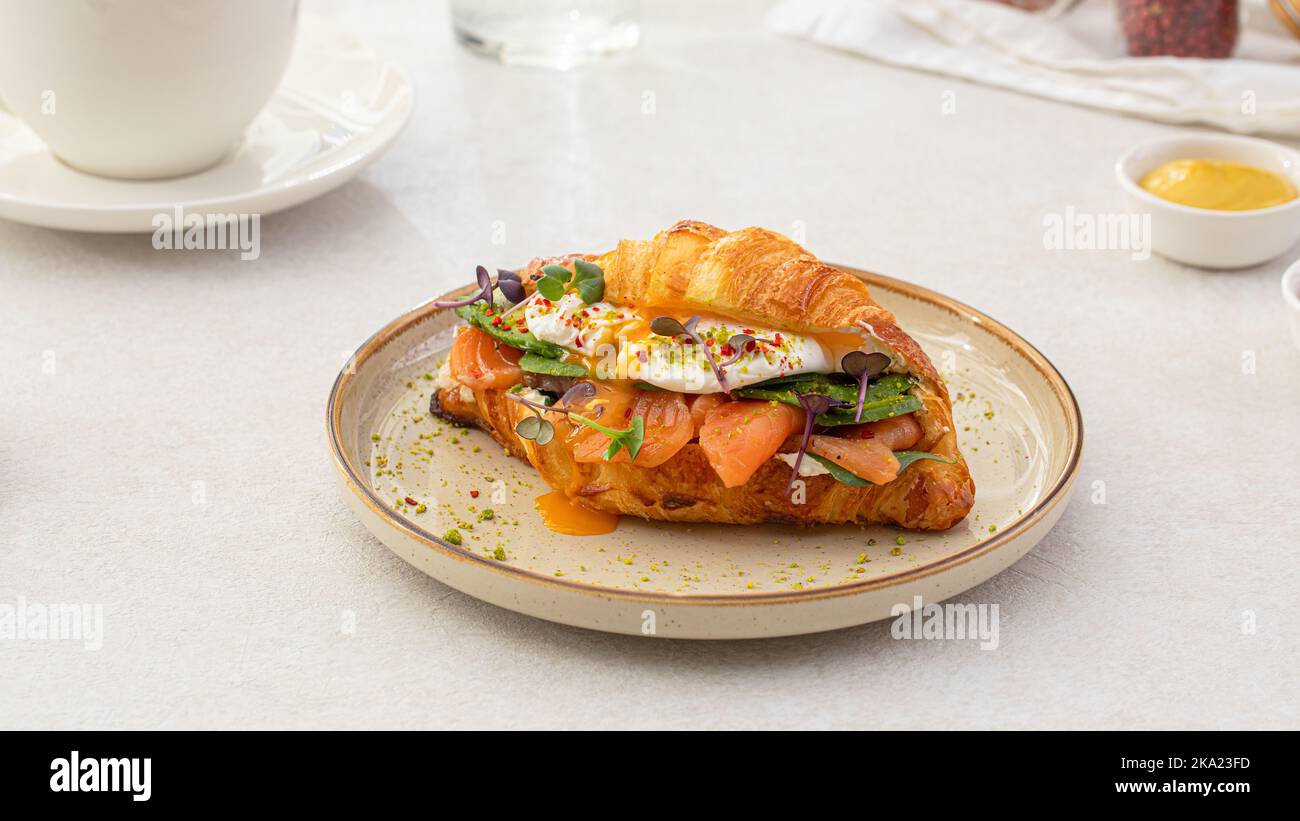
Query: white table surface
[177, 368]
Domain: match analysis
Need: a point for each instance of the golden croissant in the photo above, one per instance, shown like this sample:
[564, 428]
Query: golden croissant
[708, 376]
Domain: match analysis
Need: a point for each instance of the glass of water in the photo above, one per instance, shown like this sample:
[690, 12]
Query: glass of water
[552, 33]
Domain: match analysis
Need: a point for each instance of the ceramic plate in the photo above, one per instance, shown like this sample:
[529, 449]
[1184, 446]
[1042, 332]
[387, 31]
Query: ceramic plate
[338, 108]
[1018, 424]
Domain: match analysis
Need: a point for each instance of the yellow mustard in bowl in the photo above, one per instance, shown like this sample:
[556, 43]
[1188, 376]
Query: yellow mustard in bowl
[1219, 185]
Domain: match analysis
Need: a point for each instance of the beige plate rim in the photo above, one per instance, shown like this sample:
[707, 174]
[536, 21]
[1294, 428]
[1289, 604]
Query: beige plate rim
[352, 474]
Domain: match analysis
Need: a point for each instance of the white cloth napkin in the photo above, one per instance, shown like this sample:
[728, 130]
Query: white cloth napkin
[1076, 58]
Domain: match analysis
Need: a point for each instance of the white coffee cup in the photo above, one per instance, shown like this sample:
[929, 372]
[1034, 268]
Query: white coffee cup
[142, 88]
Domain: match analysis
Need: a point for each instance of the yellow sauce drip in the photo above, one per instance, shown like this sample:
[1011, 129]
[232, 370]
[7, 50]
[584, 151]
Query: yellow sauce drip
[561, 515]
[1218, 185]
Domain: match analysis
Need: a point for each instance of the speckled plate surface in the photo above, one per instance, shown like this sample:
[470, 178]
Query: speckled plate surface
[1018, 424]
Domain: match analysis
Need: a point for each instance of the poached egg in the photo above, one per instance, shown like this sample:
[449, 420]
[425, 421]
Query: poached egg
[616, 343]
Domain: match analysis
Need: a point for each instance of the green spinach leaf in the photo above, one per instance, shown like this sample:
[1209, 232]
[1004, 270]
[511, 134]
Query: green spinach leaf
[477, 316]
[838, 472]
[904, 457]
[886, 397]
[551, 367]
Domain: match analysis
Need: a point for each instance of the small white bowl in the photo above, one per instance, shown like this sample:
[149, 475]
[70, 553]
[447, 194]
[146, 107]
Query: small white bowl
[1291, 296]
[1201, 236]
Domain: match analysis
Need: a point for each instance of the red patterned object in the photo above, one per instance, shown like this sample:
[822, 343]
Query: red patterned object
[1179, 28]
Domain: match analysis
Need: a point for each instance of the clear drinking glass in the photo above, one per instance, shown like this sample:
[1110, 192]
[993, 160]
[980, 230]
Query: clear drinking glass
[552, 33]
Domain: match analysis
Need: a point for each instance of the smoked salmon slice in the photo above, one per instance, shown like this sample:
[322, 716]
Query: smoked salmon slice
[738, 437]
[701, 404]
[611, 407]
[868, 459]
[899, 433]
[668, 427]
[478, 361]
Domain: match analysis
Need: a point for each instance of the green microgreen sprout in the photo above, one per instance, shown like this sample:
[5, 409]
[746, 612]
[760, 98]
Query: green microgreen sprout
[554, 282]
[632, 438]
[586, 278]
[541, 431]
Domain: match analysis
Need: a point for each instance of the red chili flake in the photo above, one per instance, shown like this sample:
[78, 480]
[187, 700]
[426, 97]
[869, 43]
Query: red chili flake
[751, 345]
[709, 342]
[749, 331]
[506, 328]
[577, 342]
[727, 350]
[488, 311]
[410, 501]
[777, 339]
[473, 494]
[496, 322]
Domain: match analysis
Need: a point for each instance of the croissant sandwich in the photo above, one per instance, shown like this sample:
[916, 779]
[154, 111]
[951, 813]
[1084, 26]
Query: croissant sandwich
[708, 376]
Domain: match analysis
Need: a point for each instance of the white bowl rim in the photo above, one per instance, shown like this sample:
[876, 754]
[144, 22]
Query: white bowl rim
[1129, 184]
[1291, 285]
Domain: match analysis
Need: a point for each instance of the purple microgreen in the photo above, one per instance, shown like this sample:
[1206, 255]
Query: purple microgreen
[511, 289]
[739, 343]
[862, 367]
[485, 291]
[535, 407]
[667, 326]
[579, 393]
[814, 405]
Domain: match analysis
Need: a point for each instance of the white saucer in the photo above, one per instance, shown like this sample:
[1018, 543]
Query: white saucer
[339, 107]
